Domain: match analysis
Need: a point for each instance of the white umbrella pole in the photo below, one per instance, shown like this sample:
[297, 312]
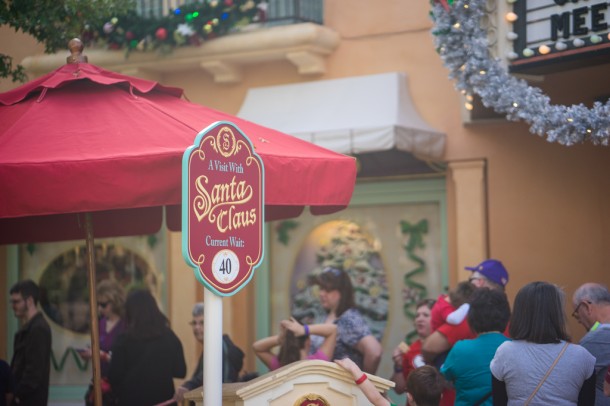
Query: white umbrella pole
[212, 349]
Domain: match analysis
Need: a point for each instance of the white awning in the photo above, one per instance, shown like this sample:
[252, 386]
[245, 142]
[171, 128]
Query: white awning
[352, 115]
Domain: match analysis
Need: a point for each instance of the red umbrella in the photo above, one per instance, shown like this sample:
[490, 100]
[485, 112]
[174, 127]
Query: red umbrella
[82, 139]
[85, 140]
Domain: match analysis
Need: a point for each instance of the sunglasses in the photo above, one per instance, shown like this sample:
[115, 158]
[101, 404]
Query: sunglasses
[333, 271]
[103, 304]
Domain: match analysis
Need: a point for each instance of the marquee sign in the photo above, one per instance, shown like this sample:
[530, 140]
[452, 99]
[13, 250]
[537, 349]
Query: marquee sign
[558, 28]
[222, 208]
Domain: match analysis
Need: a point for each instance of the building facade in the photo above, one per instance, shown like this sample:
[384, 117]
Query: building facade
[494, 190]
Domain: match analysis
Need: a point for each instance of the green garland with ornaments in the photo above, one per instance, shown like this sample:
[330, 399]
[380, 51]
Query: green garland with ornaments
[463, 46]
[187, 25]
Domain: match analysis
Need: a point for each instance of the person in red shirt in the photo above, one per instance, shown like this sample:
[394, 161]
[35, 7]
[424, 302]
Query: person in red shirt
[408, 358]
[490, 273]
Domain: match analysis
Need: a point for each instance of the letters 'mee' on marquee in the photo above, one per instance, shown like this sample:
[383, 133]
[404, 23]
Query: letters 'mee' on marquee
[222, 208]
[562, 25]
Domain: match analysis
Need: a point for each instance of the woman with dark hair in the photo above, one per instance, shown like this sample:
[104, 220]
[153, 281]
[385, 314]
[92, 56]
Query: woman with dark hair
[467, 364]
[354, 337]
[147, 357]
[540, 366]
[294, 344]
[406, 358]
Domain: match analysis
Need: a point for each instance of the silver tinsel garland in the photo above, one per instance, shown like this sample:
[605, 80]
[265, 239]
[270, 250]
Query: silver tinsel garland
[463, 46]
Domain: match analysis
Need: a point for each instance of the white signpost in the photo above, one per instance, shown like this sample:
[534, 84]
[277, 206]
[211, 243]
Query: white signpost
[222, 229]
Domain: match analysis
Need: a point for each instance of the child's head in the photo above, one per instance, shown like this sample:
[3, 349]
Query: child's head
[290, 346]
[425, 386]
[461, 293]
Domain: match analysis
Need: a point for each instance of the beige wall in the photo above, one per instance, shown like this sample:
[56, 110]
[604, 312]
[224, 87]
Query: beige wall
[547, 204]
[547, 216]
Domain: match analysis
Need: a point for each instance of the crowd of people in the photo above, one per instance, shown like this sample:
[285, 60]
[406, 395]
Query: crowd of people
[488, 355]
[470, 350]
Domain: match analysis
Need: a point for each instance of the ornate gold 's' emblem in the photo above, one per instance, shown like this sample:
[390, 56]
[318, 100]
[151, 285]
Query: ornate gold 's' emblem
[311, 399]
[225, 141]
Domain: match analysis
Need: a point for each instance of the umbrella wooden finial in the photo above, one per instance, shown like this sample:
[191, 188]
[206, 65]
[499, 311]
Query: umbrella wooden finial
[76, 51]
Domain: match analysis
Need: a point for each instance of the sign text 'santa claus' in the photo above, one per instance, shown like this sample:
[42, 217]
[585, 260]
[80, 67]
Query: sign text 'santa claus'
[222, 208]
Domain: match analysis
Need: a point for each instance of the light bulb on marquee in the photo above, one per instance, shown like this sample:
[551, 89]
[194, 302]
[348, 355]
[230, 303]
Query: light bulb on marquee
[511, 17]
[561, 46]
[544, 49]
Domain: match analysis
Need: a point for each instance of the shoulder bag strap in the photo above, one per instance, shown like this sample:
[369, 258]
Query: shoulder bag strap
[565, 347]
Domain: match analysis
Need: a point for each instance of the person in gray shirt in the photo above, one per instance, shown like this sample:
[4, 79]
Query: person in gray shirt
[591, 304]
[540, 367]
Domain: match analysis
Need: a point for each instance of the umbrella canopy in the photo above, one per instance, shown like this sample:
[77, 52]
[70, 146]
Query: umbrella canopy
[83, 139]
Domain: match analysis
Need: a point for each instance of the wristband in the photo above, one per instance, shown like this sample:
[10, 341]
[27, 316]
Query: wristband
[361, 379]
[306, 327]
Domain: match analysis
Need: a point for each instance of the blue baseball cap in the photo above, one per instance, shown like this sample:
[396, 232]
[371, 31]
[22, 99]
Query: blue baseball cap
[493, 270]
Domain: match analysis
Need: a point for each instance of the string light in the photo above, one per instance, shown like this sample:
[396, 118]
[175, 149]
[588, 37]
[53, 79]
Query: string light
[511, 17]
[544, 49]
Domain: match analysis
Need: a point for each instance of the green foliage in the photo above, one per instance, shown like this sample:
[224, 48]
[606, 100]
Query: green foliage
[283, 229]
[17, 74]
[53, 23]
[115, 24]
[414, 291]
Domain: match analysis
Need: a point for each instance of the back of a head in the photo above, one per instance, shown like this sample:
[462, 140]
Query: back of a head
[144, 319]
[489, 311]
[425, 384]
[461, 294]
[27, 288]
[290, 349]
[538, 314]
[593, 292]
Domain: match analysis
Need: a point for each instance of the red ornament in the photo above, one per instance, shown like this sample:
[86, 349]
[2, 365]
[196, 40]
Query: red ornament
[161, 34]
[129, 35]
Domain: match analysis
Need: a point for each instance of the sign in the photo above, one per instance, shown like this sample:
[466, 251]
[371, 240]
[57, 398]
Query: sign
[548, 29]
[222, 208]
